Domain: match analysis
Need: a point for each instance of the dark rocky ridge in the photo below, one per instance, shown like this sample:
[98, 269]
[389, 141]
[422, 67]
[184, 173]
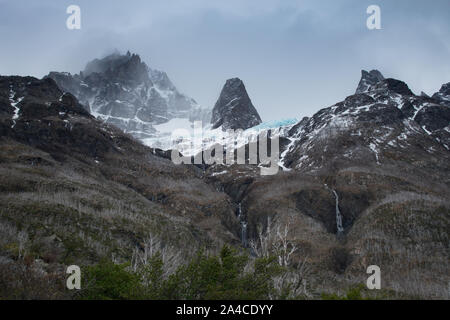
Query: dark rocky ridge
[234, 109]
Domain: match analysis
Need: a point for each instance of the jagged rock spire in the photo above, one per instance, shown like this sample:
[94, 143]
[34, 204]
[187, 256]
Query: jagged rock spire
[234, 109]
[443, 94]
[368, 79]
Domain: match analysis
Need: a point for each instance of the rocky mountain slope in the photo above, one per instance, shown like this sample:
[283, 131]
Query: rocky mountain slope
[366, 181]
[234, 109]
[122, 90]
[75, 190]
[363, 182]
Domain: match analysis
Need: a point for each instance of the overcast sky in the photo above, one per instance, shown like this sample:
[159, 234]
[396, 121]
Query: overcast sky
[294, 56]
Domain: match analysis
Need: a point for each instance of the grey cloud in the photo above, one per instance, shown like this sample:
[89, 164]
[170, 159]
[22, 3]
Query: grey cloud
[294, 56]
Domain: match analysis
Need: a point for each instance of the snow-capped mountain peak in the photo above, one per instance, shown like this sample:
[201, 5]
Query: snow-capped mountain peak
[124, 91]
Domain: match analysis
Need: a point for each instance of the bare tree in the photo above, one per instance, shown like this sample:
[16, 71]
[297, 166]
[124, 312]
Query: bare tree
[294, 282]
[261, 246]
[22, 238]
[275, 241]
[153, 245]
[283, 247]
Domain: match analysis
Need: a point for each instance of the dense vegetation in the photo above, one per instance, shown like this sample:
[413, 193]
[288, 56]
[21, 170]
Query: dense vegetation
[204, 277]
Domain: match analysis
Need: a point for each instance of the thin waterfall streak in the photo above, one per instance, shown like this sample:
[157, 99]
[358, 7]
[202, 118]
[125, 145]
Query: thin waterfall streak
[243, 226]
[339, 226]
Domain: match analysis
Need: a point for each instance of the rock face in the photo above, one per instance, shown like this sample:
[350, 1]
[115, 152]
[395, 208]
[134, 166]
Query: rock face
[234, 109]
[368, 79]
[443, 94]
[124, 91]
[385, 106]
[67, 177]
[79, 190]
[382, 156]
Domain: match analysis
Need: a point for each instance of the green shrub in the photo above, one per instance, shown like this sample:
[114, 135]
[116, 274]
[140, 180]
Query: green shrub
[353, 293]
[204, 277]
[106, 281]
[222, 277]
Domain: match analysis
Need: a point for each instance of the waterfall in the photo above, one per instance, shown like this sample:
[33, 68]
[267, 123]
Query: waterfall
[340, 229]
[243, 226]
[244, 233]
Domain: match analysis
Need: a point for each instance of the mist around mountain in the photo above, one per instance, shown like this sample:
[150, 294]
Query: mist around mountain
[363, 182]
[124, 91]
